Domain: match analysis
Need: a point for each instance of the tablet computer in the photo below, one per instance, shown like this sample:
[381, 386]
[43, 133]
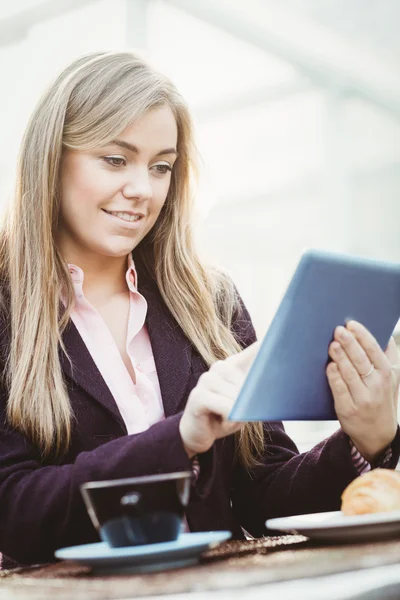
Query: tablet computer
[287, 380]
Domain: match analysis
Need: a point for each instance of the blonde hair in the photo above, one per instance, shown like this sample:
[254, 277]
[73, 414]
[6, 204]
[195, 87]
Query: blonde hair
[94, 99]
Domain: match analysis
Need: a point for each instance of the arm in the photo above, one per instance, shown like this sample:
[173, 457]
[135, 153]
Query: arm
[41, 506]
[287, 483]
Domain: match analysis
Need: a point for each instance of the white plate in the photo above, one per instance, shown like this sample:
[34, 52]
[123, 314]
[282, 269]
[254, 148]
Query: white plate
[336, 527]
[184, 551]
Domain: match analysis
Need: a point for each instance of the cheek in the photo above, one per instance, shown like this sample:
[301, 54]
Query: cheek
[160, 191]
[83, 192]
[85, 185]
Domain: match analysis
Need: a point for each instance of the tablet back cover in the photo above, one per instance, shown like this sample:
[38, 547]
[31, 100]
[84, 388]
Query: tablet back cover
[287, 380]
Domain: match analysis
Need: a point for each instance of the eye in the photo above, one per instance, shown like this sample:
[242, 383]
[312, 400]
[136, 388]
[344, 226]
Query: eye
[115, 161]
[162, 168]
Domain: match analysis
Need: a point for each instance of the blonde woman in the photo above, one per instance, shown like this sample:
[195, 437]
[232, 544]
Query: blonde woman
[122, 354]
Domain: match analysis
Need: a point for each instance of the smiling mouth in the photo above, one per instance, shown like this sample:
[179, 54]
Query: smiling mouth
[125, 216]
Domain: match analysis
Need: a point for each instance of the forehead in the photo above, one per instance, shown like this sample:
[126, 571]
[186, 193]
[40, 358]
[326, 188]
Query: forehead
[156, 127]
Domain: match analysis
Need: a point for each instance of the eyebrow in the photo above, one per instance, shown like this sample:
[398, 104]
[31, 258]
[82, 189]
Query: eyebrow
[134, 149]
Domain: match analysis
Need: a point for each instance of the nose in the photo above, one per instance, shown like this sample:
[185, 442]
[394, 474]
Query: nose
[138, 185]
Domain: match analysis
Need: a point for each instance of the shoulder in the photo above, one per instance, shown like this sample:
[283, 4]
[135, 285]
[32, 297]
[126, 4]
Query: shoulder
[5, 322]
[5, 306]
[231, 307]
[242, 325]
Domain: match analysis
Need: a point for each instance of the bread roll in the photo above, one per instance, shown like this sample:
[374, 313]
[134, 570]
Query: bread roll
[375, 491]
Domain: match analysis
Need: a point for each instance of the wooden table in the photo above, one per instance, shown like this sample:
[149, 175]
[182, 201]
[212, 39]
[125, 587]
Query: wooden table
[234, 569]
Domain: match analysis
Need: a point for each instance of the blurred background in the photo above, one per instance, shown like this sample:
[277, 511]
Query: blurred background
[297, 112]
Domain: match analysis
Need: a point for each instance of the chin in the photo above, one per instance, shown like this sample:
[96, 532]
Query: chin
[116, 251]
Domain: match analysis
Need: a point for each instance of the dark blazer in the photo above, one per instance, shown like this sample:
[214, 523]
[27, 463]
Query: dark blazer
[41, 507]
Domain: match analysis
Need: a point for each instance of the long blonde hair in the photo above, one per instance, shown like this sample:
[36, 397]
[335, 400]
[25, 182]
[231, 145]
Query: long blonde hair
[94, 99]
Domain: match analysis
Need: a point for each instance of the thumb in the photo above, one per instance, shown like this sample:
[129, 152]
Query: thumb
[244, 359]
[392, 353]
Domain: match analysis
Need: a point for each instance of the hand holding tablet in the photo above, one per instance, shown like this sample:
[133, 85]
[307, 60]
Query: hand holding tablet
[364, 380]
[288, 379]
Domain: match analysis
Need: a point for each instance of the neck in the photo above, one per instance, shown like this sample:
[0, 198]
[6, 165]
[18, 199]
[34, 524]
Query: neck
[104, 275]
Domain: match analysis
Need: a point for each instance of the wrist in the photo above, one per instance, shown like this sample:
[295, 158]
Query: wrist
[191, 449]
[372, 455]
[191, 453]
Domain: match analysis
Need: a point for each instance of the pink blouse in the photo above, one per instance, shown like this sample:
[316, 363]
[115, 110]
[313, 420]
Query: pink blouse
[140, 403]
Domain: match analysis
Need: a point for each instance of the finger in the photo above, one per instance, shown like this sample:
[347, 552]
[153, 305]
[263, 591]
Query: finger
[353, 350]
[224, 370]
[341, 394]
[349, 373]
[227, 428]
[229, 388]
[216, 404]
[244, 359]
[370, 345]
[392, 353]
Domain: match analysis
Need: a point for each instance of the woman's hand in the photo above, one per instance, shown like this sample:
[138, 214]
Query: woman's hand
[364, 381]
[205, 418]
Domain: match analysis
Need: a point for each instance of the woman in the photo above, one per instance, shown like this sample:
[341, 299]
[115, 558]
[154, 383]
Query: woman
[110, 324]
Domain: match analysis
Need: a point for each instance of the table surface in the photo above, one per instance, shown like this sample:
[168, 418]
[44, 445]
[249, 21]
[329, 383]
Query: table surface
[290, 566]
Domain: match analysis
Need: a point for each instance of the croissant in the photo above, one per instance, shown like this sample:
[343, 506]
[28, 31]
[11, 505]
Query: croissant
[375, 491]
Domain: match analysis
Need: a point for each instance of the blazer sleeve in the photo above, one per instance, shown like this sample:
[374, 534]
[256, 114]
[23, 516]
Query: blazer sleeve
[41, 506]
[285, 482]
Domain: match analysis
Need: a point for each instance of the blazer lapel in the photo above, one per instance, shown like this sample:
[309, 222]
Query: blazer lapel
[84, 371]
[171, 349]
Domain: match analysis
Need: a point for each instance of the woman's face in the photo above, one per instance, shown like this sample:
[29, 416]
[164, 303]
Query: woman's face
[112, 195]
